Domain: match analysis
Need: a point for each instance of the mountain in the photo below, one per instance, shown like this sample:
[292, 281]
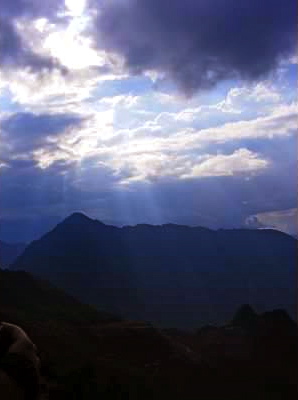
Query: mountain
[91, 353]
[245, 317]
[87, 354]
[9, 252]
[25, 298]
[262, 347]
[174, 276]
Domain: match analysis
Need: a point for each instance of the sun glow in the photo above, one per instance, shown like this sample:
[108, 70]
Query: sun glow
[73, 50]
[75, 7]
[70, 44]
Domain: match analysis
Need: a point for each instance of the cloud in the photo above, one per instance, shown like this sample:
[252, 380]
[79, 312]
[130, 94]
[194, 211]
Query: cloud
[167, 135]
[283, 220]
[240, 103]
[93, 187]
[154, 167]
[52, 92]
[240, 99]
[281, 121]
[47, 58]
[198, 43]
[139, 139]
[14, 50]
[113, 139]
[241, 186]
[25, 132]
[30, 8]
[241, 161]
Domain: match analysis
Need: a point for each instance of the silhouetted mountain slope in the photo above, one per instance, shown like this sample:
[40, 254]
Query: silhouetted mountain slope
[86, 353]
[9, 252]
[172, 275]
[25, 297]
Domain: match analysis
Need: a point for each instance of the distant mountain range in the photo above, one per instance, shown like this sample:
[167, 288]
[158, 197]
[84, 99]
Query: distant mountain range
[174, 276]
[9, 252]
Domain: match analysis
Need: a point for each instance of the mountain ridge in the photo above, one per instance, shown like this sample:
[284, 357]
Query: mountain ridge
[79, 216]
[9, 252]
[165, 273]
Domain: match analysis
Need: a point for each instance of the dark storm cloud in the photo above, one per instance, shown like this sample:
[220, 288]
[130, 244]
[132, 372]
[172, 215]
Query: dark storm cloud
[198, 43]
[26, 131]
[14, 51]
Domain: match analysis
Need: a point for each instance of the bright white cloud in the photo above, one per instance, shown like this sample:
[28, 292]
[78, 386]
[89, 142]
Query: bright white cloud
[156, 166]
[241, 161]
[282, 121]
[51, 91]
[240, 99]
[150, 155]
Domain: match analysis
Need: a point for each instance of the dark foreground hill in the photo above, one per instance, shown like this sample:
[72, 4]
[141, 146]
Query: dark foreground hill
[9, 252]
[86, 354]
[174, 276]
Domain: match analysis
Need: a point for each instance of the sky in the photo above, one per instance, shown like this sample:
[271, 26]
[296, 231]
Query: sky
[148, 111]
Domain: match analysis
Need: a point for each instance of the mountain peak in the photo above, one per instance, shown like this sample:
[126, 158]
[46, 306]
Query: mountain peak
[245, 316]
[81, 220]
[77, 217]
